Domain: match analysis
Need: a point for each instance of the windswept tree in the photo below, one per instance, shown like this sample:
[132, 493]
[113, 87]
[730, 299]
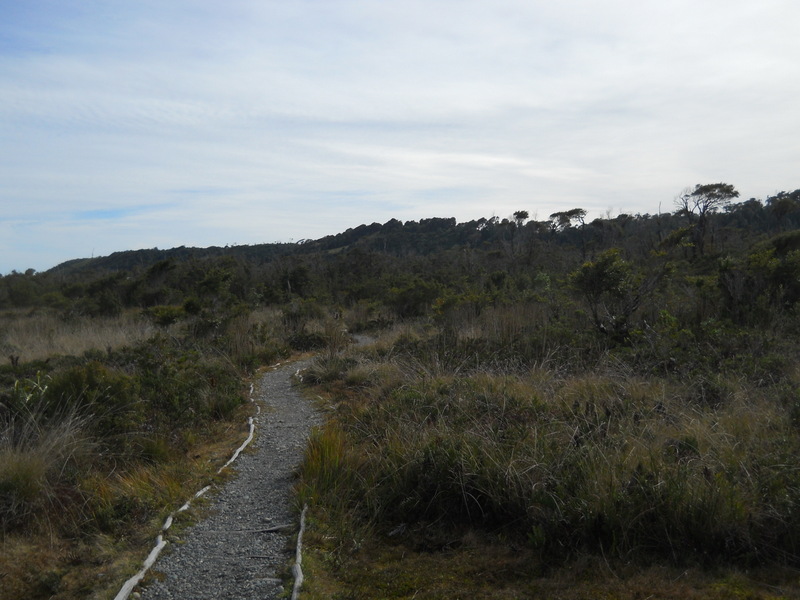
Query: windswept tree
[516, 228]
[701, 202]
[563, 220]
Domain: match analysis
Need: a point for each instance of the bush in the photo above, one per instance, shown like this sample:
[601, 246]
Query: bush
[167, 315]
[109, 399]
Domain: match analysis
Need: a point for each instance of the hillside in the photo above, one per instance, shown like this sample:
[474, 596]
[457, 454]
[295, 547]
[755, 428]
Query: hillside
[364, 262]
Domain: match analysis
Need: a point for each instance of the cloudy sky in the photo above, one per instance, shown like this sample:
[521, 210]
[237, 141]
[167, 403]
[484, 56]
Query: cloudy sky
[160, 123]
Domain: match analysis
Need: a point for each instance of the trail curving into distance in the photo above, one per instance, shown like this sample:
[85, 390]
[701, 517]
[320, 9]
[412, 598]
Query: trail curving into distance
[239, 550]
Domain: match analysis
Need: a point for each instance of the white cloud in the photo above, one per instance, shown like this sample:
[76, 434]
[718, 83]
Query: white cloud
[296, 117]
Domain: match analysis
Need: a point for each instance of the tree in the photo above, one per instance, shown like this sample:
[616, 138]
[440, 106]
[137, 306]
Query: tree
[562, 220]
[515, 229]
[606, 285]
[613, 291]
[701, 202]
[782, 205]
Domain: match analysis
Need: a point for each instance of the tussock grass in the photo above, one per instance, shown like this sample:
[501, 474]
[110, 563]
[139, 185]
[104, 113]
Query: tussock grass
[134, 496]
[39, 459]
[565, 463]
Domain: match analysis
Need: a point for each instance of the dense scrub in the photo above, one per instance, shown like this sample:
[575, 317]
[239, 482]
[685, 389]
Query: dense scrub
[406, 268]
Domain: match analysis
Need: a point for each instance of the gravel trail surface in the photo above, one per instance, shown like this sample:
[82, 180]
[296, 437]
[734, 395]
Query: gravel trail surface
[231, 554]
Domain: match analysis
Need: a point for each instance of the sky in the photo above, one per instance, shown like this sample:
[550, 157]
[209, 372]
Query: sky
[165, 123]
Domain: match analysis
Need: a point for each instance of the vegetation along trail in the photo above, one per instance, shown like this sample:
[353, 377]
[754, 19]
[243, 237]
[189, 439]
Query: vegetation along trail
[239, 551]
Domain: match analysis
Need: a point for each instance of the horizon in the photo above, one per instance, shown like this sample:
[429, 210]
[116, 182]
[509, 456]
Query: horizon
[530, 218]
[177, 123]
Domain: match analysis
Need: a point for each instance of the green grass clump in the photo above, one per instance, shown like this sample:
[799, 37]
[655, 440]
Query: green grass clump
[38, 462]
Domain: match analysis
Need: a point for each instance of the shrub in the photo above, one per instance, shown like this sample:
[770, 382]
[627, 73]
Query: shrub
[109, 399]
[167, 315]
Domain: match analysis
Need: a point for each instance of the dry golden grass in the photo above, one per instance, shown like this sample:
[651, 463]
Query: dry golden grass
[41, 334]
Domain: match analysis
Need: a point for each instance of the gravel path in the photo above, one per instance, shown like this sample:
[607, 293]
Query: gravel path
[229, 555]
